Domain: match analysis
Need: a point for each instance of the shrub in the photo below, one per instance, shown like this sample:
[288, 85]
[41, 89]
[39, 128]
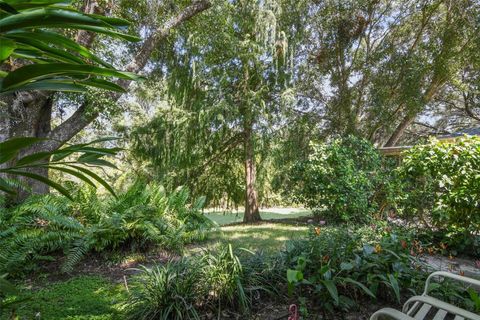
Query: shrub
[441, 185]
[31, 232]
[343, 177]
[137, 219]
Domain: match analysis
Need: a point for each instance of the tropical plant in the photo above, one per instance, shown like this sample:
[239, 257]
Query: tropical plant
[37, 38]
[342, 179]
[341, 266]
[87, 157]
[178, 290]
[225, 286]
[65, 65]
[28, 64]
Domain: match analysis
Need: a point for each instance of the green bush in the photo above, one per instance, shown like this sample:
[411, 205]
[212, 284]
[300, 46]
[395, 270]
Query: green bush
[441, 185]
[141, 217]
[342, 178]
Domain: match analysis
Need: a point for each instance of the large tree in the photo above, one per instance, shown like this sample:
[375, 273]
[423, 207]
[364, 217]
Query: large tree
[29, 114]
[228, 81]
[373, 67]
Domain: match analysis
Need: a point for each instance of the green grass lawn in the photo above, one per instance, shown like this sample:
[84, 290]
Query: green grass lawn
[83, 297]
[97, 298]
[267, 237]
[267, 214]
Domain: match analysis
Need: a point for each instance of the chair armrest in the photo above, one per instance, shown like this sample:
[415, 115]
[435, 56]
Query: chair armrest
[390, 313]
[441, 305]
[449, 275]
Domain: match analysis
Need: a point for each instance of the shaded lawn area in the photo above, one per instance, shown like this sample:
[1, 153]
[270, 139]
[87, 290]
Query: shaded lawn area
[98, 298]
[265, 237]
[83, 297]
[267, 214]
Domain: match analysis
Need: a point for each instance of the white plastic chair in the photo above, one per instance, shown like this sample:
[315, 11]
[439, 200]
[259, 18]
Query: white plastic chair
[421, 307]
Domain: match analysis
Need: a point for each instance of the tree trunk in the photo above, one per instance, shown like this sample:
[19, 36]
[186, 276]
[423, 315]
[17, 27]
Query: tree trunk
[26, 115]
[252, 213]
[398, 133]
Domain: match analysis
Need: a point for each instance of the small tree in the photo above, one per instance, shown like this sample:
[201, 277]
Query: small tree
[341, 178]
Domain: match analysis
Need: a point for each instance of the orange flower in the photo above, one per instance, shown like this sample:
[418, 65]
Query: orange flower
[325, 259]
[431, 251]
[404, 244]
[378, 248]
[317, 231]
[443, 245]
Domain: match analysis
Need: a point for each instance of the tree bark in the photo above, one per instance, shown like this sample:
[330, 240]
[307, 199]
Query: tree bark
[252, 213]
[399, 130]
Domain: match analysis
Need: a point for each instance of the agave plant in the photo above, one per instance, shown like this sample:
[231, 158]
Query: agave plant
[60, 64]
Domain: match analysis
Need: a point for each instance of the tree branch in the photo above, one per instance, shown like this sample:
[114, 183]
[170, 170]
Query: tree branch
[80, 119]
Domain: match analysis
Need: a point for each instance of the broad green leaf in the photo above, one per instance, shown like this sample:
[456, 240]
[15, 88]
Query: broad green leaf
[10, 148]
[31, 72]
[49, 51]
[97, 162]
[113, 21]
[360, 285]
[346, 266]
[95, 177]
[6, 48]
[50, 85]
[332, 289]
[59, 41]
[106, 31]
[294, 276]
[394, 284]
[47, 17]
[102, 84]
[42, 179]
[73, 173]
[32, 158]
